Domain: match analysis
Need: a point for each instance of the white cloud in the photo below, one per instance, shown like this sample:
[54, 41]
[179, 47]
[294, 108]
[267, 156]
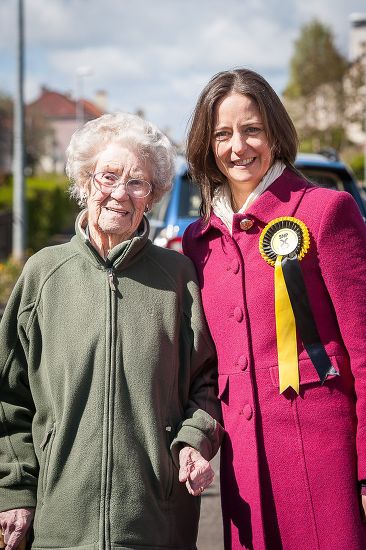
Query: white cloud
[158, 55]
[105, 63]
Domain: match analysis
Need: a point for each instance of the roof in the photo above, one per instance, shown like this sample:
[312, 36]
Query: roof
[56, 105]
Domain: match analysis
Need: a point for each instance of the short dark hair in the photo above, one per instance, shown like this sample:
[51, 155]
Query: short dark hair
[278, 126]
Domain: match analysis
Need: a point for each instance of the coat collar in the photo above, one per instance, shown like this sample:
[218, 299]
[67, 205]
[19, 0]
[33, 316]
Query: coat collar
[280, 199]
[121, 255]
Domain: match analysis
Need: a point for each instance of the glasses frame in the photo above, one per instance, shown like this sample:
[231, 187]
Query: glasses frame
[111, 188]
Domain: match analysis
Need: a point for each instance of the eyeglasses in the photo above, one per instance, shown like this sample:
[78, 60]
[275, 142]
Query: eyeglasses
[106, 182]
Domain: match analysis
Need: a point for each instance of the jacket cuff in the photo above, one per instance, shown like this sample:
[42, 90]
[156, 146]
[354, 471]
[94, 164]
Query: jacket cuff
[206, 445]
[17, 498]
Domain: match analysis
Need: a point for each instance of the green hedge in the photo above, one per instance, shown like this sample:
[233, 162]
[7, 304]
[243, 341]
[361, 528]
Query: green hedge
[9, 272]
[48, 205]
[357, 165]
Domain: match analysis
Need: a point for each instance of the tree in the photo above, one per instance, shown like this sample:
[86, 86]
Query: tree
[37, 132]
[314, 95]
[316, 61]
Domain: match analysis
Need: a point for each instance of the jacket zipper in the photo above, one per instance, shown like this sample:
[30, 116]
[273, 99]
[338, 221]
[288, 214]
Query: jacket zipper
[108, 412]
[111, 278]
[104, 521]
[111, 274]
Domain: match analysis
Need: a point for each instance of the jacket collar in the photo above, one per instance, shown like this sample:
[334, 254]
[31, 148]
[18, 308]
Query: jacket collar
[121, 255]
[280, 199]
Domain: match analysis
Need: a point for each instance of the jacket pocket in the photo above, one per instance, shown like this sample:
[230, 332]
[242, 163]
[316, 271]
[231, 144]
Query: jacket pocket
[46, 447]
[168, 486]
[307, 372]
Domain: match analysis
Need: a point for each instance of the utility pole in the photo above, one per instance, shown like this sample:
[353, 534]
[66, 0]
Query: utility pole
[81, 73]
[19, 215]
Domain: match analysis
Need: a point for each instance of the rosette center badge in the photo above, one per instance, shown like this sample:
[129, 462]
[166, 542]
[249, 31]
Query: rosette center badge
[282, 237]
[284, 241]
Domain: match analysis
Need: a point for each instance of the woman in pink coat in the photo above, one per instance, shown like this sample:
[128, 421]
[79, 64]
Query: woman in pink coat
[281, 265]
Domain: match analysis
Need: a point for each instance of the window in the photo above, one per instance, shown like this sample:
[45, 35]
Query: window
[323, 178]
[190, 199]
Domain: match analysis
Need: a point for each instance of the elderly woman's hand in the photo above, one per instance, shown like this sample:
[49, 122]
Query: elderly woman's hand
[14, 525]
[194, 471]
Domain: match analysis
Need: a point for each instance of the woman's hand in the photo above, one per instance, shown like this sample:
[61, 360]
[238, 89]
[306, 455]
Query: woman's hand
[14, 525]
[194, 471]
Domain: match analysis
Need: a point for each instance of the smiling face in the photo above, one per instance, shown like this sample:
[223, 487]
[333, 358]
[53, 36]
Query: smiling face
[240, 145]
[115, 216]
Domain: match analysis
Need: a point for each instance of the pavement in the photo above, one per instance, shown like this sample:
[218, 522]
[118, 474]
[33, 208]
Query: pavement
[210, 536]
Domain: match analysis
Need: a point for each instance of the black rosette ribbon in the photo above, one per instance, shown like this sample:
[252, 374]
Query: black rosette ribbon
[283, 243]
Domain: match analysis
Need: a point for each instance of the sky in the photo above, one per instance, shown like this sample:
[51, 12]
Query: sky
[156, 55]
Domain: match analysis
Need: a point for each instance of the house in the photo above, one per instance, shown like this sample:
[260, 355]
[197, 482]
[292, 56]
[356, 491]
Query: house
[63, 116]
[355, 81]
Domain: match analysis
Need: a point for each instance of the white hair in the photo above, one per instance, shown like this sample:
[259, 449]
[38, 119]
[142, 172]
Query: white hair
[130, 130]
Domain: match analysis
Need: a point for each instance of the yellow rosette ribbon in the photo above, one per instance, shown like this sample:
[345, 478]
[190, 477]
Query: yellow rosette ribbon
[286, 333]
[282, 244]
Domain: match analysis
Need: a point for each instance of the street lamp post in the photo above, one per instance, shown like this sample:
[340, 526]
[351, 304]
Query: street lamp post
[81, 72]
[19, 215]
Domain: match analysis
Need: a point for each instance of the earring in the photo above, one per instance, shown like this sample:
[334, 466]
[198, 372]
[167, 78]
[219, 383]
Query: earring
[83, 198]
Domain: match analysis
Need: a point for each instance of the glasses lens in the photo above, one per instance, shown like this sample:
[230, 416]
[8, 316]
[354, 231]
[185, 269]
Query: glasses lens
[105, 180]
[138, 188]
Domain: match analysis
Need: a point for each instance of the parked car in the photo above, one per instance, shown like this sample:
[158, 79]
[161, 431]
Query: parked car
[180, 207]
[330, 171]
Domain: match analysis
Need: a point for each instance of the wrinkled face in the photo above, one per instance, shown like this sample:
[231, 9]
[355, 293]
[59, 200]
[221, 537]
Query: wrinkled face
[239, 142]
[115, 212]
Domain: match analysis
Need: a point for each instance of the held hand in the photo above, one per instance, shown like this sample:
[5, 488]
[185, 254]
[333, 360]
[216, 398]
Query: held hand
[14, 525]
[363, 500]
[194, 471]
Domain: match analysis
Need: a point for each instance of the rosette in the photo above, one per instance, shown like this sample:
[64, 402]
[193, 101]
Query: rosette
[282, 244]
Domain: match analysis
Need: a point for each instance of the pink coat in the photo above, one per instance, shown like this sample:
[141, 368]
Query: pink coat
[290, 464]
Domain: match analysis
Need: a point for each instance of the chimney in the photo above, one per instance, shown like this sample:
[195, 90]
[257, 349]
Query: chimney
[101, 100]
[357, 35]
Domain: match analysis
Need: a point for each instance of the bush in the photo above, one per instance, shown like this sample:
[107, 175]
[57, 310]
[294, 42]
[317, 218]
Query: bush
[357, 165]
[9, 273]
[48, 206]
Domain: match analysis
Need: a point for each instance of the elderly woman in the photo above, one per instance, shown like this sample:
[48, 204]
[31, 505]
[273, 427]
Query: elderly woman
[107, 372]
[290, 334]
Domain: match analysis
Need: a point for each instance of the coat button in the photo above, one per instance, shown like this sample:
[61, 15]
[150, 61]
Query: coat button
[246, 224]
[234, 266]
[238, 314]
[247, 411]
[243, 362]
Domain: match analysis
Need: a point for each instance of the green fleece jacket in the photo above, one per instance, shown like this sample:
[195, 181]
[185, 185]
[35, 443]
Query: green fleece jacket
[106, 368]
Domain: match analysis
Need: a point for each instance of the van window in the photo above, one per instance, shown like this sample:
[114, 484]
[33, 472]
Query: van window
[331, 180]
[190, 199]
